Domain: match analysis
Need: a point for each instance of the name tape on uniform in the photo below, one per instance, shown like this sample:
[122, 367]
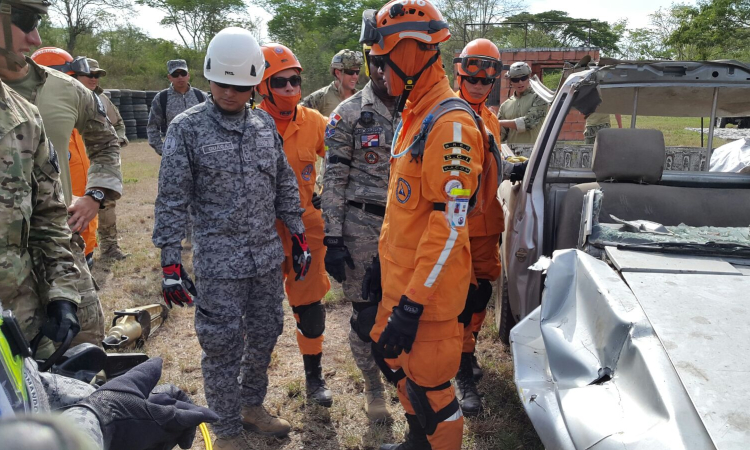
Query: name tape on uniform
[461, 145]
[457, 156]
[452, 167]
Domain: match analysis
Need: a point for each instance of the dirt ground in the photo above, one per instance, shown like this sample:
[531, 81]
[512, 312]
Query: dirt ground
[136, 281]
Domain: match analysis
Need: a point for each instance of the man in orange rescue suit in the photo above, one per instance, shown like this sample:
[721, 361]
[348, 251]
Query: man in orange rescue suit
[302, 130]
[424, 242]
[478, 66]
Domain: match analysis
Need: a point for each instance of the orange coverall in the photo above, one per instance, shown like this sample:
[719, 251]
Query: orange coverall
[485, 226]
[79, 169]
[425, 258]
[303, 143]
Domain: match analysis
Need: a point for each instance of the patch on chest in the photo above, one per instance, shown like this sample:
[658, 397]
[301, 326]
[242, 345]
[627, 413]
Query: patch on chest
[264, 138]
[370, 140]
[403, 191]
[218, 147]
[371, 157]
[170, 145]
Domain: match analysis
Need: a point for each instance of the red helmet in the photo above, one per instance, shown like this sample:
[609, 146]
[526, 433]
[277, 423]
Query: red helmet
[59, 59]
[402, 19]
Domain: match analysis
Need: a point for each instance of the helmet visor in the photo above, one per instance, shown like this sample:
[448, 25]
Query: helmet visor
[369, 34]
[474, 65]
[78, 66]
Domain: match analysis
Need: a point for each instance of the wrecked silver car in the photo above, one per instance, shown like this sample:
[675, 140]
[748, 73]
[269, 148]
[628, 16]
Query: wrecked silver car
[642, 271]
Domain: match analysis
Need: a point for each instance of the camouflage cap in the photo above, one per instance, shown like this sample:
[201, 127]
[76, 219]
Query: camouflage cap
[176, 64]
[40, 6]
[347, 59]
[94, 67]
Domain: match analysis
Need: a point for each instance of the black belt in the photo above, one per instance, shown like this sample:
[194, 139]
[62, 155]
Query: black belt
[369, 207]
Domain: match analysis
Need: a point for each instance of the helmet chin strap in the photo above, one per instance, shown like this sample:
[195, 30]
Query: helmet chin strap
[13, 61]
[409, 81]
[471, 100]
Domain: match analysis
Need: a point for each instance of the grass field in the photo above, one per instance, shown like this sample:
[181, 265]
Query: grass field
[136, 281]
[674, 130]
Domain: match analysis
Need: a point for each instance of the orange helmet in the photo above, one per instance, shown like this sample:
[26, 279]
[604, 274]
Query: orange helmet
[278, 58]
[59, 59]
[402, 19]
[480, 58]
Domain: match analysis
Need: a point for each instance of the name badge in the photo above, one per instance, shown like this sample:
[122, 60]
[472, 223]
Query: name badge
[219, 147]
[264, 138]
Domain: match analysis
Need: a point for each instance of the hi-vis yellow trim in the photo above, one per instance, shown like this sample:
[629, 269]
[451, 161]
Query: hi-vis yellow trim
[455, 192]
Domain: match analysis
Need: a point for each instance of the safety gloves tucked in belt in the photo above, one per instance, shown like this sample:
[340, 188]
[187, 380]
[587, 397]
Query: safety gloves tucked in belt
[336, 255]
[401, 329]
[177, 286]
[316, 200]
[518, 171]
[132, 414]
[300, 256]
[61, 318]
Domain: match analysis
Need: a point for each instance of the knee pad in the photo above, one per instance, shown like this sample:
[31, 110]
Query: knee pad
[482, 295]
[465, 317]
[312, 319]
[428, 417]
[362, 325]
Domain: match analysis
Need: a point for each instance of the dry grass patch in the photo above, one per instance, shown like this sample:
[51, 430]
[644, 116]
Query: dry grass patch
[137, 281]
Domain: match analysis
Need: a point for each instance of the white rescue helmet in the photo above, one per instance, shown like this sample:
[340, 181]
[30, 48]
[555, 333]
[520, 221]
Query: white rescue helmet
[518, 69]
[234, 57]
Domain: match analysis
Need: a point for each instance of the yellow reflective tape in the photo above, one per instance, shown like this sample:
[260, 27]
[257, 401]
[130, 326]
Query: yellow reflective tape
[455, 192]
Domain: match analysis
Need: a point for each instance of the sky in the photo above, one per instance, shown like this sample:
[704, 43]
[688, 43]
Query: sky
[635, 11]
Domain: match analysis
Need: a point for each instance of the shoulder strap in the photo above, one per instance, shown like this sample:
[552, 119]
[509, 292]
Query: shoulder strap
[199, 95]
[163, 103]
[444, 107]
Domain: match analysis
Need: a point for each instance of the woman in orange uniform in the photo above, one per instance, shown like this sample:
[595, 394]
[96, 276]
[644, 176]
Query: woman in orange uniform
[478, 67]
[302, 130]
[424, 242]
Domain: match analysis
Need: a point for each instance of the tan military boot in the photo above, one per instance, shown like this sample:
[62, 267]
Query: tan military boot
[236, 443]
[375, 405]
[113, 252]
[257, 420]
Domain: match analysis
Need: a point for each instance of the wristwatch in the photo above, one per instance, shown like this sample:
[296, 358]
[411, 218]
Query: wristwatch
[96, 194]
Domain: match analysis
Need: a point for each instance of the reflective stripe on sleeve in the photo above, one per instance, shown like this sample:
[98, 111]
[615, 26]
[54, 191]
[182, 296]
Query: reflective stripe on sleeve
[441, 260]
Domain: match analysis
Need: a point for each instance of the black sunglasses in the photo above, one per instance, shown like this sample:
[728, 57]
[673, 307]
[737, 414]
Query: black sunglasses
[378, 61]
[91, 75]
[280, 82]
[351, 71]
[27, 21]
[475, 80]
[179, 74]
[231, 86]
[519, 79]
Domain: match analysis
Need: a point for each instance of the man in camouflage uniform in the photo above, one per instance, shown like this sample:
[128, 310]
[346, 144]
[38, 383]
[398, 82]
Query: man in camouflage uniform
[358, 138]
[345, 67]
[109, 247]
[35, 226]
[180, 97]
[596, 122]
[522, 115]
[64, 104]
[227, 161]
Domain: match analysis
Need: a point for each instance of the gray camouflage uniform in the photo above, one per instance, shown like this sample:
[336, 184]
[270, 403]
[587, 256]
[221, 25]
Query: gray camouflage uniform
[236, 192]
[176, 104]
[357, 171]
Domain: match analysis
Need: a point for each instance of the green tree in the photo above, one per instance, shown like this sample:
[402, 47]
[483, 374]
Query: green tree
[464, 15]
[197, 21]
[715, 28]
[81, 17]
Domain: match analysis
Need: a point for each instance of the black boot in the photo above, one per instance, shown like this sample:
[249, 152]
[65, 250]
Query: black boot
[416, 438]
[316, 387]
[466, 388]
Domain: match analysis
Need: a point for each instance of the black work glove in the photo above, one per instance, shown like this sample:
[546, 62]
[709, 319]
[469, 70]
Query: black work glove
[61, 317]
[518, 171]
[177, 286]
[336, 255]
[301, 257]
[372, 290]
[316, 199]
[401, 329]
[465, 317]
[131, 416]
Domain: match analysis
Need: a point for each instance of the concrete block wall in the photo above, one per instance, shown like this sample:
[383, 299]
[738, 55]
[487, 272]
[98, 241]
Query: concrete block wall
[541, 59]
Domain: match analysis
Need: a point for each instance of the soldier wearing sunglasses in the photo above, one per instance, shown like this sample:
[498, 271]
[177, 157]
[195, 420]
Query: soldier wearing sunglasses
[521, 116]
[171, 102]
[64, 104]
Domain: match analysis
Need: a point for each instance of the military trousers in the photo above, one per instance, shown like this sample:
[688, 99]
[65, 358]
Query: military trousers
[238, 323]
[361, 232]
[589, 134]
[90, 313]
[107, 227]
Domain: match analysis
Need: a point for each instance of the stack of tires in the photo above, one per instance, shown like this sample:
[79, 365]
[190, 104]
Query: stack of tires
[128, 116]
[140, 112]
